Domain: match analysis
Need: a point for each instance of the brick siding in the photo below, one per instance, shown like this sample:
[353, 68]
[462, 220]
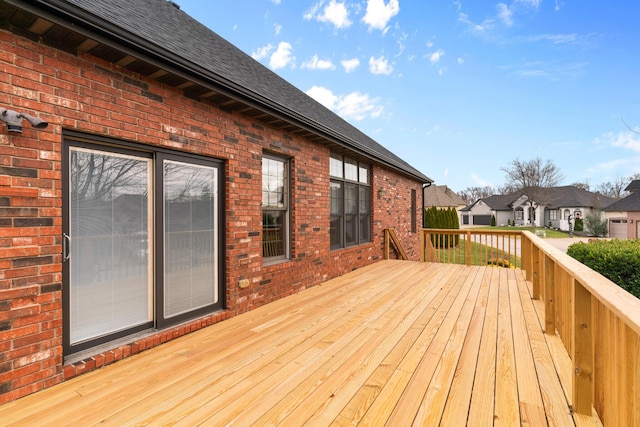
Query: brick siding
[85, 94]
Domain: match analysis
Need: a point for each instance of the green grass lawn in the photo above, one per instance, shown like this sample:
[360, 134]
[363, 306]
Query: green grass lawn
[551, 233]
[480, 254]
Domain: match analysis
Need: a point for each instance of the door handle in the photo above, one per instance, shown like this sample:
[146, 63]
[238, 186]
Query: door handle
[66, 247]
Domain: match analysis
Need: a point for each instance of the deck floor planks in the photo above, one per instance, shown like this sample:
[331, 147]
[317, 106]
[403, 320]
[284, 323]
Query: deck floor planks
[456, 408]
[507, 408]
[294, 341]
[378, 397]
[345, 353]
[394, 343]
[434, 401]
[531, 405]
[425, 360]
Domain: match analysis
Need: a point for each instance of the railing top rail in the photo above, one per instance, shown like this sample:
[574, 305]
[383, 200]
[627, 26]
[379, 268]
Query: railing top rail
[473, 231]
[620, 302]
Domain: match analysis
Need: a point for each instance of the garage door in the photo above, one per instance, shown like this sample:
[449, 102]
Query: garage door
[482, 219]
[618, 228]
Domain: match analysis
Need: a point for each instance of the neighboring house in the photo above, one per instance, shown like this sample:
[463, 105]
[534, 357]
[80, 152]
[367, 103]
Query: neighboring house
[623, 216]
[556, 206]
[178, 183]
[442, 197]
[481, 211]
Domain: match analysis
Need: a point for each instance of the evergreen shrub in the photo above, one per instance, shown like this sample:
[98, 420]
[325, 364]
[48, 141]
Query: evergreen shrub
[617, 260]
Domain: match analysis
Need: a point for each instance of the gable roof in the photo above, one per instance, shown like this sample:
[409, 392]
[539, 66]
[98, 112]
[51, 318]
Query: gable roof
[552, 198]
[570, 196]
[633, 186]
[155, 36]
[441, 196]
[627, 204]
[499, 202]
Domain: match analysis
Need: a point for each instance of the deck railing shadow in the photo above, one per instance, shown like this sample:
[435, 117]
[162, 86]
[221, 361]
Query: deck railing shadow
[597, 321]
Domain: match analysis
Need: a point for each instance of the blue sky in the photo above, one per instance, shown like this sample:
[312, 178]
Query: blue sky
[460, 89]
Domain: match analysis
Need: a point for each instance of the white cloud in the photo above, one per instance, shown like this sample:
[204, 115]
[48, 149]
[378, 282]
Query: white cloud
[626, 140]
[262, 52]
[505, 14]
[324, 96]
[350, 65]
[276, 1]
[442, 70]
[530, 3]
[486, 25]
[355, 105]
[277, 28]
[318, 64]
[334, 13]
[380, 13]
[436, 56]
[282, 57]
[460, 60]
[557, 39]
[380, 66]
[434, 129]
[479, 181]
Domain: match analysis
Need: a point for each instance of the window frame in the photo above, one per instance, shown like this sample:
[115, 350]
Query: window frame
[75, 139]
[286, 256]
[361, 182]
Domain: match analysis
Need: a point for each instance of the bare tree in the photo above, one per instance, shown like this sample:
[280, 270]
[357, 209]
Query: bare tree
[614, 189]
[583, 185]
[530, 176]
[473, 194]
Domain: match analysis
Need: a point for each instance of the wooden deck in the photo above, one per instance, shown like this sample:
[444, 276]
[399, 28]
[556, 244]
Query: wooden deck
[397, 343]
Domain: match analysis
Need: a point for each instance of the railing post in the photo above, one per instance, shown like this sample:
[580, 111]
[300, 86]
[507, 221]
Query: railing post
[386, 244]
[582, 350]
[467, 249]
[524, 255]
[423, 249]
[535, 271]
[549, 296]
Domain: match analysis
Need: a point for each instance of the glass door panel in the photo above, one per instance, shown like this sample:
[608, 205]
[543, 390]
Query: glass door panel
[110, 256]
[190, 237]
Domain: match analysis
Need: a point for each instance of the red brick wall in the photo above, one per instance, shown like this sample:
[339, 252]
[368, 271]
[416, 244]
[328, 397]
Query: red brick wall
[85, 94]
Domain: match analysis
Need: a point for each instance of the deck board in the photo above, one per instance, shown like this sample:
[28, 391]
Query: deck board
[397, 343]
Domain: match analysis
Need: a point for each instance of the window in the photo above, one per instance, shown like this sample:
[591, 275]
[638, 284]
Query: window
[567, 212]
[141, 240]
[553, 215]
[275, 208]
[413, 211]
[350, 203]
[519, 213]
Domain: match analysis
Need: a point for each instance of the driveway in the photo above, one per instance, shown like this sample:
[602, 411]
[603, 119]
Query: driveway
[563, 243]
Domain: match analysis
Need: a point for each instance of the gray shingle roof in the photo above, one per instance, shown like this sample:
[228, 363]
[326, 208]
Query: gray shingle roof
[570, 196]
[633, 186]
[629, 203]
[160, 29]
[552, 198]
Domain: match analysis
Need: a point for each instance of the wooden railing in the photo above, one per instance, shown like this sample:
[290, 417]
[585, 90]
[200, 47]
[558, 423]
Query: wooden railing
[597, 321]
[390, 238]
[471, 247]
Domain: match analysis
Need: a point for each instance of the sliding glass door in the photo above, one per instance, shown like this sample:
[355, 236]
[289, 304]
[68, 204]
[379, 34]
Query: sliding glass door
[141, 241]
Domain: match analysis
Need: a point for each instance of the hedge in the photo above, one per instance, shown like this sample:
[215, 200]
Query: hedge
[618, 260]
